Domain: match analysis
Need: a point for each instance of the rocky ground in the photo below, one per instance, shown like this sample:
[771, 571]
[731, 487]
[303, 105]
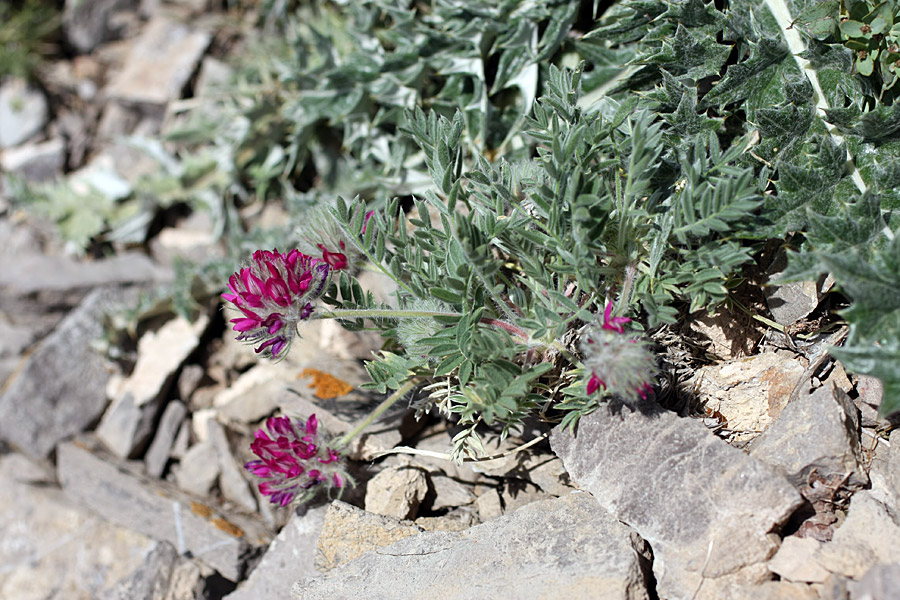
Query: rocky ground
[767, 475]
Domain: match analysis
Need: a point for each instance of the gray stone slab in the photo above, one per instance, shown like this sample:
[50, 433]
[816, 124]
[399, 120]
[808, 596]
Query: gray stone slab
[61, 389]
[151, 507]
[86, 22]
[163, 575]
[161, 62]
[36, 162]
[23, 112]
[291, 556]
[41, 273]
[160, 448]
[561, 548]
[706, 508]
[815, 432]
[232, 482]
[50, 548]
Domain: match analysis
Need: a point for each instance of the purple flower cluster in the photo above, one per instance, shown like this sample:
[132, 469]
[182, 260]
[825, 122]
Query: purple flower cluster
[616, 361]
[274, 293]
[292, 463]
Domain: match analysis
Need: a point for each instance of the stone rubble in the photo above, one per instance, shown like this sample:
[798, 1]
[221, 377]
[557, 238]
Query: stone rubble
[506, 554]
[37, 411]
[221, 541]
[706, 508]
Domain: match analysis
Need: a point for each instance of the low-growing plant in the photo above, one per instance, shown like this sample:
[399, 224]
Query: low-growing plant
[546, 186]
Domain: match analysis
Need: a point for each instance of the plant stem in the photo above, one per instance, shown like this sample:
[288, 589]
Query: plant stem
[390, 313]
[379, 410]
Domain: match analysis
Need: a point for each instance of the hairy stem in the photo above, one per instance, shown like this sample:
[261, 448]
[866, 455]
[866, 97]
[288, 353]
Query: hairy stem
[379, 410]
[390, 313]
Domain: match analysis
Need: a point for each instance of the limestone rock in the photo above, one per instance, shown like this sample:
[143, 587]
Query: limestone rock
[488, 505]
[879, 583]
[35, 273]
[86, 23]
[128, 422]
[160, 64]
[349, 532]
[38, 163]
[396, 492]
[730, 336]
[198, 470]
[795, 561]
[163, 575]
[23, 112]
[221, 540]
[290, 556]
[705, 507]
[50, 548]
[231, 477]
[789, 302]
[560, 548]
[449, 493]
[747, 393]
[38, 410]
[869, 536]
[160, 448]
[816, 431]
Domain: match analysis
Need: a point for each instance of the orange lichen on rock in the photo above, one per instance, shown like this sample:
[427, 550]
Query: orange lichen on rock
[326, 386]
[229, 528]
[201, 510]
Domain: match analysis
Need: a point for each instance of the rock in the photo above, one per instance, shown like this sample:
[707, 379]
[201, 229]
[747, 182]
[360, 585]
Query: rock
[771, 590]
[747, 393]
[198, 469]
[349, 532]
[162, 576]
[705, 507]
[815, 432]
[23, 112]
[160, 448]
[450, 493]
[38, 410]
[397, 492]
[160, 64]
[795, 561]
[253, 395]
[488, 505]
[52, 549]
[869, 536]
[456, 520]
[548, 473]
[36, 163]
[232, 482]
[189, 380]
[128, 422]
[40, 273]
[881, 582]
[792, 301]
[515, 494]
[561, 548]
[731, 336]
[290, 556]
[158, 510]
[86, 22]
[200, 423]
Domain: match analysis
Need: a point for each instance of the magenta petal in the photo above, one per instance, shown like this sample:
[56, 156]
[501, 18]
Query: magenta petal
[594, 384]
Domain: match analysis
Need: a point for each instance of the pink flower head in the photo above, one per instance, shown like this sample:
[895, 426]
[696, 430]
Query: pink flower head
[336, 260]
[274, 293]
[611, 323]
[292, 462]
[619, 363]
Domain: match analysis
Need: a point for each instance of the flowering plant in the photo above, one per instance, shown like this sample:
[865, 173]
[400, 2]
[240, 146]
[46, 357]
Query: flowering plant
[541, 222]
